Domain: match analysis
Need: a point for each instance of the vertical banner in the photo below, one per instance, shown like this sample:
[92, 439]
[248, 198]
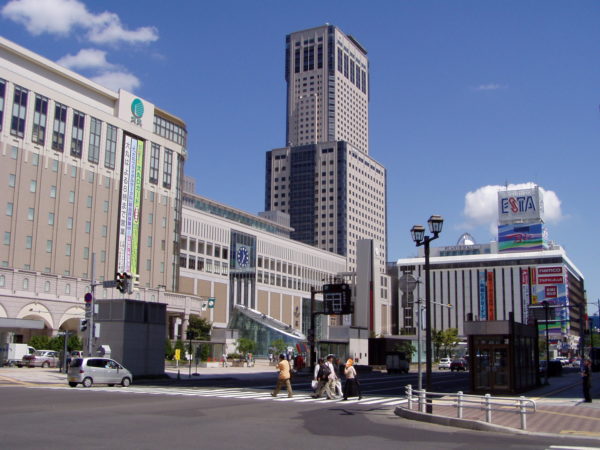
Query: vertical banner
[525, 294]
[483, 309]
[491, 303]
[129, 210]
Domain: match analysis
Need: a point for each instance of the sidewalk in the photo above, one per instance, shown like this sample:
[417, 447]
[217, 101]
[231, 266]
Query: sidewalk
[559, 410]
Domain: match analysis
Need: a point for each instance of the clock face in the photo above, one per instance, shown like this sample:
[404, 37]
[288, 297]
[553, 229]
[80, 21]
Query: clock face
[243, 257]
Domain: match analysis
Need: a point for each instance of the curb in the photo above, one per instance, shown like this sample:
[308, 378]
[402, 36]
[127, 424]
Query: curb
[476, 425]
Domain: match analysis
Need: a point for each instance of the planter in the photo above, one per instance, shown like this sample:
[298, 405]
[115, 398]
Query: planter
[211, 365]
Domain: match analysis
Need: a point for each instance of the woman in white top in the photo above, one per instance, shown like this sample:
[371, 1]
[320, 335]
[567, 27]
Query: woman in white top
[352, 387]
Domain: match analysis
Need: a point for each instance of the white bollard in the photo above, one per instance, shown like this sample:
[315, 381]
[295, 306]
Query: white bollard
[459, 404]
[488, 409]
[422, 400]
[409, 395]
[523, 411]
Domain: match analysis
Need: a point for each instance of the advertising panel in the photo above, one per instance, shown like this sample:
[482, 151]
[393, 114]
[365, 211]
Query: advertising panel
[525, 293]
[520, 206]
[491, 302]
[483, 308]
[520, 237]
[552, 286]
[129, 209]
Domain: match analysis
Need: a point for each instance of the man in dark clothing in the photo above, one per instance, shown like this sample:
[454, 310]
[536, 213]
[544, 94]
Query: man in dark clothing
[586, 376]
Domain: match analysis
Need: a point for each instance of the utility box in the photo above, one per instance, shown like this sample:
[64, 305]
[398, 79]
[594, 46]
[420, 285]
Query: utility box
[134, 333]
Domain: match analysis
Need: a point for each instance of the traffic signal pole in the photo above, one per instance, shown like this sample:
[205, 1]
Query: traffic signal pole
[91, 325]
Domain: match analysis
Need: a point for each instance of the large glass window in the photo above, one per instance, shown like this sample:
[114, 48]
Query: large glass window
[170, 130]
[111, 147]
[58, 128]
[168, 168]
[17, 124]
[94, 147]
[38, 134]
[2, 92]
[77, 134]
[154, 163]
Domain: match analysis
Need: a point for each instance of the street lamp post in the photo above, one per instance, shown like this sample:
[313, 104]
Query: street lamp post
[546, 307]
[418, 235]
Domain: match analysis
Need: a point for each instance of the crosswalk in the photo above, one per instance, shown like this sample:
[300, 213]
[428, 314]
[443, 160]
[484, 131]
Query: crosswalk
[235, 393]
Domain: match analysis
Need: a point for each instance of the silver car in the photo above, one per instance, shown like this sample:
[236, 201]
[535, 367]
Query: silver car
[88, 371]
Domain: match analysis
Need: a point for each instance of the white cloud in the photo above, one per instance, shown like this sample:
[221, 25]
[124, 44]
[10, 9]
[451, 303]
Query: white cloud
[61, 17]
[489, 87]
[87, 58]
[481, 205]
[118, 80]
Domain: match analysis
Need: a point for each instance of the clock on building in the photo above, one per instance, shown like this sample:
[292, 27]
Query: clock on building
[243, 256]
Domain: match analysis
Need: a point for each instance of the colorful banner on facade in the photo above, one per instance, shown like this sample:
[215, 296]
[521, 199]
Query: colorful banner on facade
[520, 237]
[525, 294]
[129, 216]
[491, 300]
[483, 308]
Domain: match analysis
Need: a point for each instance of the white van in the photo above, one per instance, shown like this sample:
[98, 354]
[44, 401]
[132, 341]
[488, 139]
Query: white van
[88, 371]
[12, 354]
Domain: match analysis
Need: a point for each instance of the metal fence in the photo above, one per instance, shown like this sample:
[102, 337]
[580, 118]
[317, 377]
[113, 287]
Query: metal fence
[521, 405]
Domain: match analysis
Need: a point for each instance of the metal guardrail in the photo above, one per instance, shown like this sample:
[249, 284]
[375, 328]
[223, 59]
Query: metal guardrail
[522, 405]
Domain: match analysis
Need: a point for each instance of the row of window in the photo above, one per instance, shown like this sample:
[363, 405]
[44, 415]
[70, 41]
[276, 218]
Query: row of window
[203, 265]
[39, 132]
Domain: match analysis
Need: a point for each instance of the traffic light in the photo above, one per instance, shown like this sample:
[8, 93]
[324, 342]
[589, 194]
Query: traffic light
[83, 324]
[124, 283]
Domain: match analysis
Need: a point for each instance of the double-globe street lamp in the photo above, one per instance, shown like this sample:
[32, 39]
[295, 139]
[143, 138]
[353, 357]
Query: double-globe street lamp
[418, 234]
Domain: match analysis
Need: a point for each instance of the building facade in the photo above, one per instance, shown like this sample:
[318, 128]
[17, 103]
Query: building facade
[327, 75]
[480, 281]
[250, 267]
[92, 183]
[324, 179]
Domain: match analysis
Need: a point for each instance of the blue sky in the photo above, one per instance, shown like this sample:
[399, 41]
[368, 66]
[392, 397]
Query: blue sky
[464, 95]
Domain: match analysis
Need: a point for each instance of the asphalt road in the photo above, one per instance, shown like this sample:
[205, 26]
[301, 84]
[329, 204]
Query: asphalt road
[114, 418]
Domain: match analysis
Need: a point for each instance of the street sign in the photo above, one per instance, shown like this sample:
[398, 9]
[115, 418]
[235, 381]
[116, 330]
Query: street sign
[211, 302]
[88, 297]
[407, 283]
[337, 299]
[109, 284]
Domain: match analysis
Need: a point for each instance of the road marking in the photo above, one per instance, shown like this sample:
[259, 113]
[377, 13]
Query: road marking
[234, 393]
[568, 415]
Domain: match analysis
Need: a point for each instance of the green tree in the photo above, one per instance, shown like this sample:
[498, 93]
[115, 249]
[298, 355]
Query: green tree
[437, 341]
[279, 346]
[449, 340]
[169, 351]
[245, 346]
[200, 327]
[405, 347]
[40, 342]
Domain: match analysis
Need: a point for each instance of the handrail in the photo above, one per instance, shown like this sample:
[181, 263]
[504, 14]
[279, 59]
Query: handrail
[522, 405]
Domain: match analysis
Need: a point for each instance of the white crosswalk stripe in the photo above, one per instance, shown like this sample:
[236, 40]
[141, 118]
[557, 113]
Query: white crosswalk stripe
[235, 393]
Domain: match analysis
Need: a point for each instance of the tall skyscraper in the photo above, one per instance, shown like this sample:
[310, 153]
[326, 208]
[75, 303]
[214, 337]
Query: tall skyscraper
[334, 192]
[327, 75]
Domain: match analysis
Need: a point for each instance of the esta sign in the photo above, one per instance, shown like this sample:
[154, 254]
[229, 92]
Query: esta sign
[520, 206]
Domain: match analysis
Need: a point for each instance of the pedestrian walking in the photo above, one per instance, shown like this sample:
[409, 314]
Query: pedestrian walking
[352, 387]
[224, 359]
[284, 376]
[315, 381]
[323, 375]
[586, 376]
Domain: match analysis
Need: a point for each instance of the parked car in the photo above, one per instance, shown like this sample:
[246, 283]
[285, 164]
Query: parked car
[41, 358]
[459, 364]
[444, 363]
[87, 371]
[563, 360]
